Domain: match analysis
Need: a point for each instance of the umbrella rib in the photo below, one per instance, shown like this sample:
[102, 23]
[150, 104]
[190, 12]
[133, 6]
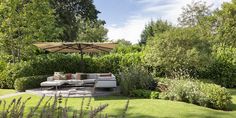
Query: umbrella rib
[52, 47]
[80, 47]
[97, 47]
[66, 46]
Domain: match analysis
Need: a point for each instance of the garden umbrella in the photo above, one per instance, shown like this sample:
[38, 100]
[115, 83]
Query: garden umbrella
[74, 47]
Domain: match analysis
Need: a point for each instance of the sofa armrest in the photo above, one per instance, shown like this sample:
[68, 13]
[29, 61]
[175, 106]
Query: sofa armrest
[113, 76]
[105, 84]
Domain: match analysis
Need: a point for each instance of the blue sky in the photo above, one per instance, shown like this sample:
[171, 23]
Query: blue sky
[127, 18]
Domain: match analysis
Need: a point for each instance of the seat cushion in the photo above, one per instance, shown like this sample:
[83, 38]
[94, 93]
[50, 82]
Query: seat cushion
[89, 81]
[75, 82]
[53, 83]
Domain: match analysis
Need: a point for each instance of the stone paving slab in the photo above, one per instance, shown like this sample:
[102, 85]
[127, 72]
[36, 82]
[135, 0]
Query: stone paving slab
[73, 92]
[11, 95]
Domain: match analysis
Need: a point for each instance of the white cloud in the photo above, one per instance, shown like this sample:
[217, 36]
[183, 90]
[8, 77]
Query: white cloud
[165, 9]
[130, 31]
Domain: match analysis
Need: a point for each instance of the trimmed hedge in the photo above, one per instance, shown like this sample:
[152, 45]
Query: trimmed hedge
[68, 63]
[222, 73]
[199, 93]
[24, 83]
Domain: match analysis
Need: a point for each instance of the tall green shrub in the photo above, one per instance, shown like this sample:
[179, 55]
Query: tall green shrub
[68, 63]
[223, 69]
[135, 77]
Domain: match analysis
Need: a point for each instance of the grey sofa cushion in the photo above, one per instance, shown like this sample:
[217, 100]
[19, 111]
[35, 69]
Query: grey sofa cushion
[89, 81]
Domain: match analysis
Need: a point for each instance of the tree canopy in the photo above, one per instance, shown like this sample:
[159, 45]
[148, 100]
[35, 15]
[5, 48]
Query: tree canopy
[24, 22]
[178, 49]
[194, 13]
[154, 28]
[226, 24]
[78, 17]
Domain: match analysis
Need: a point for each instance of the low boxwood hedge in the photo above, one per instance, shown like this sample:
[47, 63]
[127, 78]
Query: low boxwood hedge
[24, 83]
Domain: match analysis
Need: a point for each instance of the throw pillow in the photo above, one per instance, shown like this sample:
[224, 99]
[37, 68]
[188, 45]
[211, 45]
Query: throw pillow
[58, 76]
[68, 76]
[78, 76]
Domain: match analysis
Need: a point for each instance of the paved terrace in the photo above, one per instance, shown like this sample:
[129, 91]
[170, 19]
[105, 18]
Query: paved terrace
[74, 92]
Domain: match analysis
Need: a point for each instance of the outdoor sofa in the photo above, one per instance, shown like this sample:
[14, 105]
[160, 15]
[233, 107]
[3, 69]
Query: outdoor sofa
[97, 80]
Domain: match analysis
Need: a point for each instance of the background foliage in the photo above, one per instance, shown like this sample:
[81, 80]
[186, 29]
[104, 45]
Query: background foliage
[68, 63]
[178, 49]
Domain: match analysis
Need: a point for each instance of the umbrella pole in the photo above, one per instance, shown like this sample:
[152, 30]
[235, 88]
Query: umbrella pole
[82, 59]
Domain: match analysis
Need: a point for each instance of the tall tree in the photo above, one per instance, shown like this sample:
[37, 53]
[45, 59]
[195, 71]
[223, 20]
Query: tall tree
[194, 13]
[24, 22]
[154, 28]
[74, 16]
[226, 24]
[90, 31]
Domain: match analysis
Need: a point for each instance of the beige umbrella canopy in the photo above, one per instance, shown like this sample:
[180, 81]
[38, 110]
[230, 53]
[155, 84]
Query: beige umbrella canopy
[72, 47]
[76, 47]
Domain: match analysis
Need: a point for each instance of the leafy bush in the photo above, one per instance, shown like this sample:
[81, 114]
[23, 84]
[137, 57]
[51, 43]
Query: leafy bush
[222, 73]
[2, 65]
[178, 49]
[135, 77]
[141, 93]
[154, 95]
[10, 73]
[127, 49]
[25, 83]
[223, 69]
[196, 92]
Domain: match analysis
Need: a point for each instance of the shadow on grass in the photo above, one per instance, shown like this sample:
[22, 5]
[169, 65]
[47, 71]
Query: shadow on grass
[105, 98]
[119, 113]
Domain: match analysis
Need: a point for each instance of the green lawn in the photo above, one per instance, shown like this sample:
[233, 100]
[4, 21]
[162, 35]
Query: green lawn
[6, 91]
[146, 108]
